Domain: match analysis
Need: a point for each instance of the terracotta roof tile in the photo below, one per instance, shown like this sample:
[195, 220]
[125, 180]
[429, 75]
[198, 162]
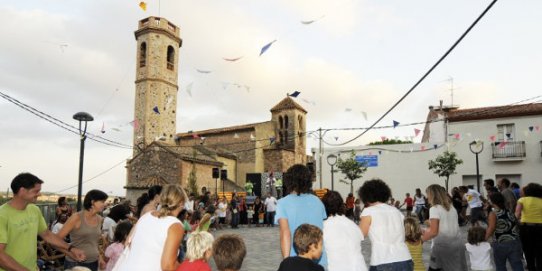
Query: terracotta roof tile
[148, 182]
[230, 129]
[287, 103]
[495, 112]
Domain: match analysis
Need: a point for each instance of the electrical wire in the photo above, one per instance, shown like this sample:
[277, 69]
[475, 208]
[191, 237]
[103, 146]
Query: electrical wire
[93, 178]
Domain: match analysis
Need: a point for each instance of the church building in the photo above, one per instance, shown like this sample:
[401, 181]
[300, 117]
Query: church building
[242, 153]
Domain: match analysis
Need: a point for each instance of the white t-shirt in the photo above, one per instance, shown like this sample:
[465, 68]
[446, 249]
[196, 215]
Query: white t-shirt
[448, 226]
[108, 228]
[57, 227]
[387, 234]
[473, 198]
[148, 243]
[419, 200]
[480, 256]
[271, 204]
[189, 206]
[222, 209]
[342, 241]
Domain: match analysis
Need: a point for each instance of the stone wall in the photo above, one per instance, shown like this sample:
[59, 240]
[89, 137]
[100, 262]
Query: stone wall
[153, 162]
[278, 160]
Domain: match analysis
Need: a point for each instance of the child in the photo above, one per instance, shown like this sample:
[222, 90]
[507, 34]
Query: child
[228, 252]
[113, 251]
[479, 250]
[413, 238]
[308, 243]
[198, 252]
[409, 204]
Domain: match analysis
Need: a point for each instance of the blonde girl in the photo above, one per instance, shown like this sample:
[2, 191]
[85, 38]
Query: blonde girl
[413, 239]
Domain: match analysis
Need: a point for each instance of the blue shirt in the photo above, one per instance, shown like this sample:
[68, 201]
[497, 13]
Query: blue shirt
[305, 208]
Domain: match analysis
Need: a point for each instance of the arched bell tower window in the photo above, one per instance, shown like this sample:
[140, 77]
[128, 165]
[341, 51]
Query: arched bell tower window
[280, 122]
[170, 57]
[142, 55]
[285, 122]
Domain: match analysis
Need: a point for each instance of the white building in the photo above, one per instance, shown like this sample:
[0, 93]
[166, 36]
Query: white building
[511, 137]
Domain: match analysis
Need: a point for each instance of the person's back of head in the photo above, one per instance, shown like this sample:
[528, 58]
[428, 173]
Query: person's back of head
[374, 190]
[489, 182]
[199, 246]
[413, 233]
[298, 178]
[24, 180]
[122, 230]
[172, 198]
[476, 235]
[308, 241]
[333, 202]
[532, 190]
[229, 251]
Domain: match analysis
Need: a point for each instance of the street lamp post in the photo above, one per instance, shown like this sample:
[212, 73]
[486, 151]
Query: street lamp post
[477, 147]
[82, 117]
[332, 160]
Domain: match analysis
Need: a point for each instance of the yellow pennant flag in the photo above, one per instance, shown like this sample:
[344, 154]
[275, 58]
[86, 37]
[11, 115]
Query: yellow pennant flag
[143, 6]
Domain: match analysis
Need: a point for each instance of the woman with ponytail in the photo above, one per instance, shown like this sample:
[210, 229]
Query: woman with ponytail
[155, 239]
[149, 201]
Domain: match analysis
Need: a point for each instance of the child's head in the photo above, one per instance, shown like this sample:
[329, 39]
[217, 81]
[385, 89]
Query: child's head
[413, 232]
[121, 231]
[199, 246]
[476, 235]
[229, 251]
[408, 195]
[308, 241]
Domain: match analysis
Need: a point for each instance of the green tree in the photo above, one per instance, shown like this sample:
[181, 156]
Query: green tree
[444, 165]
[352, 169]
[193, 181]
[390, 142]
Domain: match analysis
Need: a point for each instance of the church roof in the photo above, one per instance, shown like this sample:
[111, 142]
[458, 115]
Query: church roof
[184, 153]
[230, 129]
[287, 103]
[495, 112]
[148, 183]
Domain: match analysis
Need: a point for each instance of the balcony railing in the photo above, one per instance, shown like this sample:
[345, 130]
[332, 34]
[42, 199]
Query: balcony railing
[509, 150]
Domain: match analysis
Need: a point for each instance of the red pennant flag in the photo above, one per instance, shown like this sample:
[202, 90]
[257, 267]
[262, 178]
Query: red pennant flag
[457, 136]
[417, 132]
[537, 127]
[195, 136]
[502, 144]
[423, 148]
[383, 138]
[492, 138]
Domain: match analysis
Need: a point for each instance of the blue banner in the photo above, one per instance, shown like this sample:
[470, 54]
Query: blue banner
[368, 160]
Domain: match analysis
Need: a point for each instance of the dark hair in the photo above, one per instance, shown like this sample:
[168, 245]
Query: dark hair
[154, 191]
[119, 212]
[334, 203]
[505, 182]
[121, 231]
[26, 180]
[374, 190]
[61, 200]
[489, 182]
[498, 199]
[463, 189]
[306, 235]
[196, 216]
[476, 235]
[298, 178]
[93, 195]
[229, 251]
[533, 190]
[145, 198]
[514, 185]
[182, 214]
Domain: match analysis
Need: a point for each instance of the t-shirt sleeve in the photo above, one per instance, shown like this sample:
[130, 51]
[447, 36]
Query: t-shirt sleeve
[434, 213]
[109, 251]
[366, 212]
[281, 212]
[42, 225]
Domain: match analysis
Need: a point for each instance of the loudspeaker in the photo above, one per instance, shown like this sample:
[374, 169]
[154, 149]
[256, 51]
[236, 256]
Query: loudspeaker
[216, 173]
[224, 174]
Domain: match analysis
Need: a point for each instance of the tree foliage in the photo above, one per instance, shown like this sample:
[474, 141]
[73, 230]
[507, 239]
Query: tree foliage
[444, 165]
[193, 181]
[390, 142]
[351, 168]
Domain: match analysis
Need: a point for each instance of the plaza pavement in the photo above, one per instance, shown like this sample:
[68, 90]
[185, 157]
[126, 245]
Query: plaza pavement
[263, 247]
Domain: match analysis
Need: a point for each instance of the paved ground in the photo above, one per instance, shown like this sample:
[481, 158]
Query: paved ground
[263, 250]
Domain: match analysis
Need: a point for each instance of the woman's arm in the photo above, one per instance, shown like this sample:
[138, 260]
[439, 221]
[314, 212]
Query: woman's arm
[365, 225]
[491, 224]
[519, 209]
[432, 231]
[171, 247]
[285, 238]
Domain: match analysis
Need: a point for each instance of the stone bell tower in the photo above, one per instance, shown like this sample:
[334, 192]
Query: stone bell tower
[158, 43]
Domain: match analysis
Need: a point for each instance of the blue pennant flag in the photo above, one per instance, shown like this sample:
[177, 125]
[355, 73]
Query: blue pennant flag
[395, 123]
[295, 94]
[271, 140]
[155, 109]
[435, 146]
[266, 47]
[531, 128]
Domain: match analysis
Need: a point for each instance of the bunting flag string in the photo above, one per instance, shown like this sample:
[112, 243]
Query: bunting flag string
[416, 132]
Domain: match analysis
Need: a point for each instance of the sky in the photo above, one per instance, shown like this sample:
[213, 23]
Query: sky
[63, 57]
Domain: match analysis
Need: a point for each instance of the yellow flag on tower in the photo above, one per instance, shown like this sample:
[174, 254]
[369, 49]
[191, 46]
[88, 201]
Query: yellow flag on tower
[143, 6]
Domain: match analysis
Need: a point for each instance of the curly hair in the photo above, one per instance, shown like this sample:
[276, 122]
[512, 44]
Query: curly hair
[334, 203]
[533, 190]
[374, 190]
[298, 178]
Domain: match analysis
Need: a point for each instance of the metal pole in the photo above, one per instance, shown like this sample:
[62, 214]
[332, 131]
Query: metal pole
[477, 174]
[320, 153]
[332, 180]
[80, 183]
[216, 188]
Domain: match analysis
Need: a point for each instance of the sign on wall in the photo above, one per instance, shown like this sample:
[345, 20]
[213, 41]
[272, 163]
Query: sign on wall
[368, 160]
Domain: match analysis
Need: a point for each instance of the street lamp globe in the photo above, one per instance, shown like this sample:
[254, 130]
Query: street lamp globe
[332, 159]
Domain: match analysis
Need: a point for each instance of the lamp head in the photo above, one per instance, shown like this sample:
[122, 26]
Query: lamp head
[83, 116]
[332, 159]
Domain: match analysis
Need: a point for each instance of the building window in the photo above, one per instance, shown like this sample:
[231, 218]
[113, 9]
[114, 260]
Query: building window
[280, 122]
[506, 132]
[142, 55]
[170, 57]
[300, 119]
[285, 122]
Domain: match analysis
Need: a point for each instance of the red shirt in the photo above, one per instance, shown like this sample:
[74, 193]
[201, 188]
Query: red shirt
[409, 202]
[350, 202]
[197, 265]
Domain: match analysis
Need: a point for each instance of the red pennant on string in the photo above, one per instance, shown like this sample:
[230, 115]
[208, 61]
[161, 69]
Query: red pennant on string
[492, 138]
[417, 132]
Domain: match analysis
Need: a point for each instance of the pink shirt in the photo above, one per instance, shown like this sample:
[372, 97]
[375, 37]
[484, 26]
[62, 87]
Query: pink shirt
[197, 265]
[113, 252]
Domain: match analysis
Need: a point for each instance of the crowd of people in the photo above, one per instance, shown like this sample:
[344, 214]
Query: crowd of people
[170, 230]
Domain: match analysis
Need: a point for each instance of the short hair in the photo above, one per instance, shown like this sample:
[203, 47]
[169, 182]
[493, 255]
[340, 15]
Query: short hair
[413, 232]
[476, 235]
[298, 178]
[514, 185]
[122, 230]
[61, 200]
[463, 189]
[498, 199]
[26, 180]
[489, 182]
[505, 182]
[93, 195]
[229, 250]
[198, 243]
[119, 212]
[532, 190]
[437, 195]
[171, 198]
[374, 190]
[334, 204]
[306, 235]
